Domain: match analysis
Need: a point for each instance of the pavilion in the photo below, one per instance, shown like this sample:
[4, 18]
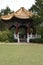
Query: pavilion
[20, 20]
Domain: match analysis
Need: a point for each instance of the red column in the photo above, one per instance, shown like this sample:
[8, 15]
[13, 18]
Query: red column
[28, 29]
[16, 28]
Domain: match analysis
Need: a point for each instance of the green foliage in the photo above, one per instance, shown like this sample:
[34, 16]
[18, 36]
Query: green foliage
[36, 20]
[2, 25]
[0, 14]
[10, 37]
[40, 30]
[22, 31]
[3, 36]
[5, 11]
[37, 40]
[38, 10]
[7, 36]
[38, 7]
[13, 30]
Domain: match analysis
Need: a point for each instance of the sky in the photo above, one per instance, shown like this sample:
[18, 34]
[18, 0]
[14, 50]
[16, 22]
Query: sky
[16, 4]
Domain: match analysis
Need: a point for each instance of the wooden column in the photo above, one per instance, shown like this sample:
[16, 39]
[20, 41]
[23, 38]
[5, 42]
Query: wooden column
[17, 34]
[28, 32]
[16, 28]
[28, 28]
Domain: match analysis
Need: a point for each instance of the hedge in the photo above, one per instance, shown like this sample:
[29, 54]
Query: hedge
[37, 40]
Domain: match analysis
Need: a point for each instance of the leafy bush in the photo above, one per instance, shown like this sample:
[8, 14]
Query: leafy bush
[37, 40]
[10, 37]
[7, 36]
[3, 36]
[40, 30]
[2, 25]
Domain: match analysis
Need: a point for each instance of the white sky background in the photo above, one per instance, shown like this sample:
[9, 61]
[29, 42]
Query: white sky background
[16, 4]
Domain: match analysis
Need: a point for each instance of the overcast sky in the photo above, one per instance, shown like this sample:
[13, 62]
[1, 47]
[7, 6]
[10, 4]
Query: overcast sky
[16, 4]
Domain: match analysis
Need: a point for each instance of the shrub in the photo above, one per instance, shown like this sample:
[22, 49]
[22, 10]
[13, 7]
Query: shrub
[7, 36]
[40, 30]
[3, 36]
[10, 37]
[2, 25]
[37, 40]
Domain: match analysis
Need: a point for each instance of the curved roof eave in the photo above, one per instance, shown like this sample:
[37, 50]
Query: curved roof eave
[22, 13]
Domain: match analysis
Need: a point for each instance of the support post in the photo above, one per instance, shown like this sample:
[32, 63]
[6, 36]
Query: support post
[16, 28]
[27, 38]
[28, 32]
[18, 38]
[17, 33]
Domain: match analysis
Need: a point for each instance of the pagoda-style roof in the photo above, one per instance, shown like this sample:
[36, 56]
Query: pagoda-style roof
[22, 13]
[7, 17]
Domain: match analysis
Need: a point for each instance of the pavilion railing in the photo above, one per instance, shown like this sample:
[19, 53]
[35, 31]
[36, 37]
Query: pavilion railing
[31, 36]
[34, 36]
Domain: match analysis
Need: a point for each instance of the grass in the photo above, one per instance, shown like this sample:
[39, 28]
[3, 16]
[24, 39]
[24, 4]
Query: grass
[21, 54]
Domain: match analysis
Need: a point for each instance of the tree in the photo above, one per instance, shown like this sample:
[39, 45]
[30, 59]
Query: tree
[38, 7]
[5, 11]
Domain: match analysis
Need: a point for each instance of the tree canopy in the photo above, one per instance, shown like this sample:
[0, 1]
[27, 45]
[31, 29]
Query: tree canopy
[38, 10]
[38, 7]
[5, 11]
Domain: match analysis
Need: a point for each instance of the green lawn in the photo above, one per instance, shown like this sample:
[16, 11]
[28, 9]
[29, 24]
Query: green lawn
[23, 54]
